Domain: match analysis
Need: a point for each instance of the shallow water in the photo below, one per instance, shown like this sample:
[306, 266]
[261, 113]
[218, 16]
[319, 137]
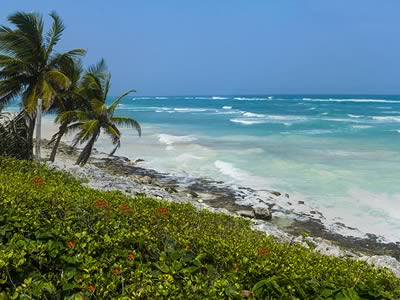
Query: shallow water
[339, 154]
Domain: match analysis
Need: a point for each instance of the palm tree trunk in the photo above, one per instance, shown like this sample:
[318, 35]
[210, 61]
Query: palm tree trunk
[86, 152]
[61, 132]
[38, 129]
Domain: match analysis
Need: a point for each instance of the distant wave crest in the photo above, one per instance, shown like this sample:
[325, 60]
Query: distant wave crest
[168, 139]
[351, 100]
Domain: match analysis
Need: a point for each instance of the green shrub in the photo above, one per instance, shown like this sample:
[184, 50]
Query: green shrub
[61, 240]
[15, 140]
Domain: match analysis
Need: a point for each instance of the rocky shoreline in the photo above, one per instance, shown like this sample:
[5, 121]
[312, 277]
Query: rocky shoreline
[267, 215]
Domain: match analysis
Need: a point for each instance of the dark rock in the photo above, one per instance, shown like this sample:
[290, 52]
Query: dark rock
[313, 212]
[263, 213]
[246, 213]
[290, 203]
[139, 160]
[300, 202]
[171, 189]
[193, 194]
[276, 193]
[286, 195]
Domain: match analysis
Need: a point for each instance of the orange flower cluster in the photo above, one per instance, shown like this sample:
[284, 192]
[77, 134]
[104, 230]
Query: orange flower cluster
[163, 211]
[263, 252]
[91, 288]
[102, 204]
[131, 256]
[38, 182]
[125, 209]
[71, 244]
[117, 271]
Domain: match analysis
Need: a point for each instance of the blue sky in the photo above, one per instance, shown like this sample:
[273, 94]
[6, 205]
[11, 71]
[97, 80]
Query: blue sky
[178, 47]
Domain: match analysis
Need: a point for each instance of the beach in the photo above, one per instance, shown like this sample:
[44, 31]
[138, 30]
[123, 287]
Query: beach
[335, 156]
[132, 177]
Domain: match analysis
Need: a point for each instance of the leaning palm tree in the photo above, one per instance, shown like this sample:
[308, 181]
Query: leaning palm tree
[67, 100]
[29, 66]
[97, 116]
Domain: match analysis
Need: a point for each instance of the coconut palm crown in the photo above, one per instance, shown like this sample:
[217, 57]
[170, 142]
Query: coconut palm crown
[97, 116]
[29, 66]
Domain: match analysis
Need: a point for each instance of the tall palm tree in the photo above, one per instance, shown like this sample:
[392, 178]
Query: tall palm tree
[67, 100]
[29, 66]
[97, 116]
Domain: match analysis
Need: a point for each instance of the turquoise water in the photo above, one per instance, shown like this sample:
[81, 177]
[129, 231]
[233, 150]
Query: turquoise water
[339, 154]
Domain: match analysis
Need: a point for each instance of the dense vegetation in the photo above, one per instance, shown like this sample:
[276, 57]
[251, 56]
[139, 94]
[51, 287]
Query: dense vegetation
[59, 239]
[14, 136]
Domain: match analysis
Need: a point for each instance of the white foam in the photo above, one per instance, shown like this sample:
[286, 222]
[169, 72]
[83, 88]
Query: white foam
[316, 131]
[161, 98]
[260, 119]
[251, 99]
[247, 122]
[227, 107]
[168, 139]
[391, 112]
[342, 120]
[351, 100]
[211, 98]
[362, 126]
[250, 114]
[387, 118]
[141, 98]
[354, 116]
[187, 109]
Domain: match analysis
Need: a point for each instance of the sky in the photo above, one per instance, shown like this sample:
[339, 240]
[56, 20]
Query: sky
[227, 47]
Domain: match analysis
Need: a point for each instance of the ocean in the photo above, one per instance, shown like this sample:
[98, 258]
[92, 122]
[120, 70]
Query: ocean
[340, 154]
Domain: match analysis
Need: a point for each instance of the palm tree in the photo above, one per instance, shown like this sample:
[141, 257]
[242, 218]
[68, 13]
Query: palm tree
[98, 116]
[30, 68]
[67, 100]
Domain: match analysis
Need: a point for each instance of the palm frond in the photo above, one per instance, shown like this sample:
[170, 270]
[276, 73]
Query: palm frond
[30, 25]
[9, 90]
[114, 105]
[115, 135]
[127, 122]
[98, 107]
[72, 116]
[99, 68]
[54, 34]
[61, 58]
[88, 130]
[59, 78]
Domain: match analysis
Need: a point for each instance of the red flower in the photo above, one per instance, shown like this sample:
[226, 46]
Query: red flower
[71, 244]
[101, 203]
[263, 252]
[117, 271]
[125, 209]
[163, 211]
[91, 288]
[38, 182]
[131, 256]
